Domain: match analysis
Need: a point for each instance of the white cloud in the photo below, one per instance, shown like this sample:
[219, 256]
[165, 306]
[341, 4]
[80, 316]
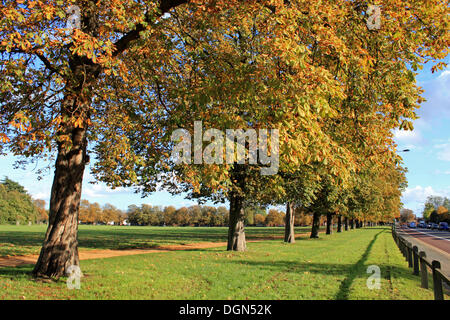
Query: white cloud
[437, 94]
[40, 195]
[408, 139]
[444, 74]
[100, 191]
[440, 172]
[443, 152]
[412, 139]
[444, 155]
[88, 191]
[414, 198]
[417, 194]
[406, 135]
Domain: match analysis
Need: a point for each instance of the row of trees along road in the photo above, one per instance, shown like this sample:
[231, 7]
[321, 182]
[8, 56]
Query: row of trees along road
[120, 85]
[437, 209]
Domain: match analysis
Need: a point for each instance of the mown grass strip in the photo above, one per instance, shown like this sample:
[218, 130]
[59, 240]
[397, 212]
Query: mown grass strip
[331, 267]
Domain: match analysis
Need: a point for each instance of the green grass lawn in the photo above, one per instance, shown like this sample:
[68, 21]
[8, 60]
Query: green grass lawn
[331, 267]
[21, 240]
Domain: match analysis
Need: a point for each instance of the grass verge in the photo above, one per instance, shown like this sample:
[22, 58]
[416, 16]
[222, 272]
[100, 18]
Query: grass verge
[331, 267]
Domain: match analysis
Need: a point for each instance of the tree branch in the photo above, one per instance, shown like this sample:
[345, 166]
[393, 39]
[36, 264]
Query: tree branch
[41, 57]
[123, 43]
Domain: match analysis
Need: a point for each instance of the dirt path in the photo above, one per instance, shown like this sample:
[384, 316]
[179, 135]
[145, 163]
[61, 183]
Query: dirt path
[107, 253]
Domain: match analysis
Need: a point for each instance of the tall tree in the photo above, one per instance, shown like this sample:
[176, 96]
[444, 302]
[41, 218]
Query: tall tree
[11, 185]
[55, 94]
[407, 215]
[289, 223]
[41, 207]
[16, 206]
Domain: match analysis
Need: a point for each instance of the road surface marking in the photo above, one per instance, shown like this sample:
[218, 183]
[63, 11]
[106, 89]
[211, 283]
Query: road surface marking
[431, 235]
[427, 245]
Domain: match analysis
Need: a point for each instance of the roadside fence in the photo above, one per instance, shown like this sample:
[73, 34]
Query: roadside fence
[420, 265]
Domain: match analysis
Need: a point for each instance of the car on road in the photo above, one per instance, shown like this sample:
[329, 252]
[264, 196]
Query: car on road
[443, 226]
[412, 225]
[422, 225]
[429, 226]
[434, 226]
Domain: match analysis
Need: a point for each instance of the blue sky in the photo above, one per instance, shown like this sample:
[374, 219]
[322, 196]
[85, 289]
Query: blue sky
[428, 161]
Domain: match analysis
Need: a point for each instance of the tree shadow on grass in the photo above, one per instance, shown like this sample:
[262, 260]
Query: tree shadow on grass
[23, 277]
[14, 273]
[21, 242]
[296, 267]
[352, 271]
[349, 272]
[344, 288]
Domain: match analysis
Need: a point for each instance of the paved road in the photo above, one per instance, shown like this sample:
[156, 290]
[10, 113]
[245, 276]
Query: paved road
[435, 243]
[435, 238]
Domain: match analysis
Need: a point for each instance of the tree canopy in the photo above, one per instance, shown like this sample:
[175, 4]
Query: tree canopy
[115, 83]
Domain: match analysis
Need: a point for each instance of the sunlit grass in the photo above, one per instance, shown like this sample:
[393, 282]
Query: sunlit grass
[331, 267]
[21, 240]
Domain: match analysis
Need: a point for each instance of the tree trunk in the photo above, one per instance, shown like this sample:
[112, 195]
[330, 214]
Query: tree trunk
[289, 235]
[236, 233]
[357, 224]
[315, 225]
[352, 224]
[346, 223]
[329, 223]
[339, 227]
[60, 247]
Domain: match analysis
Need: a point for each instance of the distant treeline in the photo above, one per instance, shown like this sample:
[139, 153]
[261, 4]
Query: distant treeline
[196, 215]
[16, 206]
